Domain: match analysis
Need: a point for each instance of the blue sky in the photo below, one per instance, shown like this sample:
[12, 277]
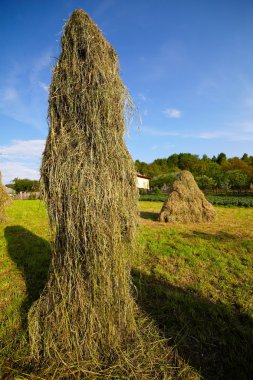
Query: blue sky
[187, 64]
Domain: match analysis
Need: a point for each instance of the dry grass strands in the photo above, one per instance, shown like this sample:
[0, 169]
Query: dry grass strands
[84, 325]
[4, 199]
[186, 202]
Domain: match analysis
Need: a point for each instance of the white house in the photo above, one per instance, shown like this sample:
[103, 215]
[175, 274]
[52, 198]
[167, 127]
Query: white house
[142, 181]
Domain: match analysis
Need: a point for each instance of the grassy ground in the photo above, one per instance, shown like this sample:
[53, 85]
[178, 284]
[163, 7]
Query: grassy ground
[24, 262]
[196, 282]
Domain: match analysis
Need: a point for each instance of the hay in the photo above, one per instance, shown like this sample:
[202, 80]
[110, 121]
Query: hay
[186, 202]
[4, 200]
[85, 321]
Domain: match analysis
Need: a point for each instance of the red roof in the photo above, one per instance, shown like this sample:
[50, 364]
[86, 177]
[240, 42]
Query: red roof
[142, 176]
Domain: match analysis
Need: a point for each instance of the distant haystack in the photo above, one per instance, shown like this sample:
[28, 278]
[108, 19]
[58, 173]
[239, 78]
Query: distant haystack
[4, 198]
[186, 202]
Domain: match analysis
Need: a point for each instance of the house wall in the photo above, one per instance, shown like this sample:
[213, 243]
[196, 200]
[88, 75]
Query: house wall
[26, 195]
[142, 183]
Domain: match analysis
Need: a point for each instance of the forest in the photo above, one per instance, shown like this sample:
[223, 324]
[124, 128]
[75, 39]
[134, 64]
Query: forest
[213, 174]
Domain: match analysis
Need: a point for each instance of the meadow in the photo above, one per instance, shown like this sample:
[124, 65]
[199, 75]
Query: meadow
[195, 281]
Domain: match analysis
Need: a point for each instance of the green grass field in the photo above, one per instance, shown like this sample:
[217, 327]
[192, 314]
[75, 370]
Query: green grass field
[195, 281]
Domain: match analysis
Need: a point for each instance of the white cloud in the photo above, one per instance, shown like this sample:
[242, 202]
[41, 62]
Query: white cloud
[8, 94]
[104, 6]
[172, 113]
[11, 170]
[166, 58]
[25, 110]
[159, 132]
[248, 128]
[21, 97]
[209, 135]
[39, 64]
[231, 132]
[207, 86]
[167, 146]
[236, 133]
[23, 149]
[21, 158]
[44, 86]
[249, 101]
[162, 147]
[142, 97]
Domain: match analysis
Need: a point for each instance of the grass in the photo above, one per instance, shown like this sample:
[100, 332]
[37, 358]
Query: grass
[195, 281]
[24, 258]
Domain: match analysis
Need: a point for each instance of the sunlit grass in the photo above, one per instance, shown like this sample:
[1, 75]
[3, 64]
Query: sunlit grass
[24, 258]
[195, 281]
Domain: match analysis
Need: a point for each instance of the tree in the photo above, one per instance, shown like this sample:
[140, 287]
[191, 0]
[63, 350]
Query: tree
[205, 157]
[238, 180]
[245, 157]
[215, 168]
[205, 183]
[221, 158]
[161, 163]
[141, 167]
[172, 161]
[163, 179]
[25, 185]
[236, 164]
[187, 161]
[224, 182]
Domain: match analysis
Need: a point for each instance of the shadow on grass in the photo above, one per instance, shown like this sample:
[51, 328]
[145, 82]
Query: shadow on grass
[212, 338]
[31, 254]
[149, 215]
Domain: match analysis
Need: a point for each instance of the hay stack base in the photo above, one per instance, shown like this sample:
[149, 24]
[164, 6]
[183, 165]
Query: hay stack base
[86, 324]
[4, 200]
[186, 202]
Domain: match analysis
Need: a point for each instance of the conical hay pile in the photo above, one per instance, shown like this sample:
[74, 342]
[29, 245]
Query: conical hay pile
[84, 324]
[186, 202]
[4, 199]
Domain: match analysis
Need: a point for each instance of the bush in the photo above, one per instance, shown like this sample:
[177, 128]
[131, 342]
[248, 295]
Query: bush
[231, 201]
[152, 198]
[156, 191]
[32, 196]
[143, 191]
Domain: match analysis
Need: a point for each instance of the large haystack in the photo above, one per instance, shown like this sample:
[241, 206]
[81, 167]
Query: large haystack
[4, 199]
[85, 320]
[186, 202]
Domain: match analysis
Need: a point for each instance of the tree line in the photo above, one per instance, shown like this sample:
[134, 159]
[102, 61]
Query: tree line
[24, 185]
[216, 173]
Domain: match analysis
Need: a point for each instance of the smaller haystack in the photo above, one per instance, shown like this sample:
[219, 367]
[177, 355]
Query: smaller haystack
[186, 202]
[4, 199]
